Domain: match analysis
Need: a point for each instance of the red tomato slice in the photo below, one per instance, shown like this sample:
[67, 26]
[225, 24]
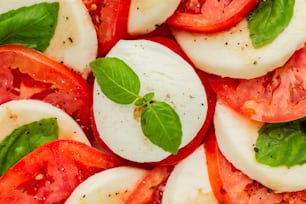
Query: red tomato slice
[276, 97]
[231, 186]
[51, 172]
[110, 18]
[210, 15]
[211, 98]
[25, 73]
[150, 189]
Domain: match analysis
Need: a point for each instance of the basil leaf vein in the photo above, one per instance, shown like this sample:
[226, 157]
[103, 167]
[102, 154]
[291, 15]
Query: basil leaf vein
[116, 80]
[161, 124]
[268, 20]
[32, 26]
[282, 144]
[25, 139]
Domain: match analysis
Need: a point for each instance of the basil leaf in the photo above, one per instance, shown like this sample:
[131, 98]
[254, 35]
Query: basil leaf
[31, 26]
[282, 144]
[144, 100]
[116, 80]
[161, 124]
[268, 20]
[24, 140]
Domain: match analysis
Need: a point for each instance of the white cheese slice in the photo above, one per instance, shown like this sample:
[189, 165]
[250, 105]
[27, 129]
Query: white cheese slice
[16, 113]
[236, 137]
[146, 15]
[189, 181]
[74, 42]
[111, 186]
[172, 80]
[231, 54]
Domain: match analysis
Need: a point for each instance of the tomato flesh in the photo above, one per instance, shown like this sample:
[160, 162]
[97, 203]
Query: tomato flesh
[231, 186]
[278, 96]
[210, 15]
[110, 18]
[150, 188]
[25, 73]
[51, 172]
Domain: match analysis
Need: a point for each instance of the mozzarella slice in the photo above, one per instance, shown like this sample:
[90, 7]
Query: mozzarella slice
[74, 42]
[189, 181]
[146, 15]
[236, 137]
[172, 80]
[16, 113]
[231, 54]
[111, 186]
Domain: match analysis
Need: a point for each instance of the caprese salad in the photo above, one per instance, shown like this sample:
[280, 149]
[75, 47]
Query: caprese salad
[141, 101]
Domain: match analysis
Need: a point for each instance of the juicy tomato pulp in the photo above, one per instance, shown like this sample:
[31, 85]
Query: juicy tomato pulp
[275, 97]
[149, 190]
[198, 139]
[210, 15]
[110, 19]
[51, 172]
[231, 186]
[25, 73]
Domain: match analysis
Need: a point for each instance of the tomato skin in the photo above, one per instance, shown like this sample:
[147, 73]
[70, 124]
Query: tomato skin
[231, 186]
[278, 96]
[149, 190]
[51, 172]
[26, 73]
[110, 18]
[210, 15]
[211, 99]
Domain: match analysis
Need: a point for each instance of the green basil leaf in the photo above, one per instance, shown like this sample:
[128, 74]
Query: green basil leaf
[268, 20]
[282, 144]
[116, 80]
[161, 124]
[24, 140]
[31, 26]
[144, 100]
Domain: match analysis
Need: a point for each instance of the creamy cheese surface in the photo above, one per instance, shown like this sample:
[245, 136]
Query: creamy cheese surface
[172, 80]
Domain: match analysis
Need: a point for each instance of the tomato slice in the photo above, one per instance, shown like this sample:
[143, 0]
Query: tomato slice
[25, 73]
[51, 172]
[110, 18]
[150, 188]
[276, 97]
[231, 186]
[210, 15]
[211, 99]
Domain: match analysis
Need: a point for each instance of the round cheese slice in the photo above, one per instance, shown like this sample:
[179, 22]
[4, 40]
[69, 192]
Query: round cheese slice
[74, 42]
[109, 186]
[173, 81]
[16, 113]
[236, 137]
[231, 54]
[189, 181]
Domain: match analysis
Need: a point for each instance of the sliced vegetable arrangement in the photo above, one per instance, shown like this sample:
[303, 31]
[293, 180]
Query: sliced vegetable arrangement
[181, 101]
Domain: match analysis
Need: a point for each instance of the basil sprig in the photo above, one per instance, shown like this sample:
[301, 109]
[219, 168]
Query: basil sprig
[32, 26]
[159, 121]
[268, 20]
[282, 144]
[25, 139]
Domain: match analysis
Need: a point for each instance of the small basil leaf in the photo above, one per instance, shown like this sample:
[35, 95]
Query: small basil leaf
[268, 20]
[116, 80]
[24, 140]
[282, 144]
[161, 124]
[149, 97]
[140, 102]
[31, 26]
